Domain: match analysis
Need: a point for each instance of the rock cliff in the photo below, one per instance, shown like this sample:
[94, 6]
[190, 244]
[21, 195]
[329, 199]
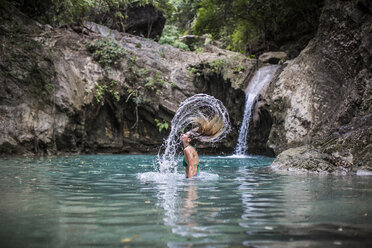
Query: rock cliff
[91, 89]
[322, 100]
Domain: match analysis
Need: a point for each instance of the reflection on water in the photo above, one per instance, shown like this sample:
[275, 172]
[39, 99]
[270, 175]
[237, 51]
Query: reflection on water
[168, 199]
[119, 201]
[189, 205]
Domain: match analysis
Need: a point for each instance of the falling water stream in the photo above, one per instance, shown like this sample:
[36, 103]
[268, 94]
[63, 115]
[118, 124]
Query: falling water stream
[260, 79]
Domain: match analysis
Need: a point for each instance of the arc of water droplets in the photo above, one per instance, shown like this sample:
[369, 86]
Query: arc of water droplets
[189, 108]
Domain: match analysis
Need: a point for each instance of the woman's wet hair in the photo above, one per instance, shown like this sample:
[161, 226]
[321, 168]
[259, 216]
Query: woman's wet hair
[206, 128]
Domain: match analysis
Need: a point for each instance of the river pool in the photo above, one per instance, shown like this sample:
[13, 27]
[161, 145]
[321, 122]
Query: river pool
[120, 201]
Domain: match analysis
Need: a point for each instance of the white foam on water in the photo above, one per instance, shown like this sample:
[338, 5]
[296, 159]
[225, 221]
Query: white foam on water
[159, 177]
[364, 173]
[206, 176]
[238, 156]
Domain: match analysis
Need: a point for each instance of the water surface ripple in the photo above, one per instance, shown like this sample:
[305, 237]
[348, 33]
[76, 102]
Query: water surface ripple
[120, 201]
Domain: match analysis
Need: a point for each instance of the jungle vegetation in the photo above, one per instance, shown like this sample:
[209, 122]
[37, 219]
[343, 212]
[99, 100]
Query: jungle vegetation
[240, 25]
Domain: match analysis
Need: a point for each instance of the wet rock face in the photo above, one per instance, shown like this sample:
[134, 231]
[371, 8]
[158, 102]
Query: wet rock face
[259, 131]
[59, 98]
[350, 145]
[327, 88]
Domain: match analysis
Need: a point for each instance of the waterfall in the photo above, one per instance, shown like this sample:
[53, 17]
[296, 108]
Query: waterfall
[262, 77]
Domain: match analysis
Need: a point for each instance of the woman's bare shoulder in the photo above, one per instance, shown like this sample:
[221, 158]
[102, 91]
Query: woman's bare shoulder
[189, 150]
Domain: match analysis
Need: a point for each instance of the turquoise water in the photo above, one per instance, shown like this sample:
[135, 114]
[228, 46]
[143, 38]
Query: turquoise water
[119, 201]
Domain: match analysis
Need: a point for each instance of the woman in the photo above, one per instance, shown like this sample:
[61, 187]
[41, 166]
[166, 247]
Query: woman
[206, 130]
[191, 159]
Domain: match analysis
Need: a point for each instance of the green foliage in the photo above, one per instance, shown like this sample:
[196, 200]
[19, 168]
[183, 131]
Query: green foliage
[159, 79]
[116, 96]
[133, 60]
[106, 87]
[136, 95]
[106, 52]
[150, 83]
[238, 69]
[155, 83]
[199, 50]
[243, 34]
[142, 72]
[210, 17]
[240, 22]
[170, 36]
[217, 65]
[100, 92]
[194, 71]
[58, 12]
[55, 12]
[182, 13]
[161, 125]
[237, 23]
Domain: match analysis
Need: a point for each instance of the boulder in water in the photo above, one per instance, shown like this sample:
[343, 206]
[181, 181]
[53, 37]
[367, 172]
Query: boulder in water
[303, 158]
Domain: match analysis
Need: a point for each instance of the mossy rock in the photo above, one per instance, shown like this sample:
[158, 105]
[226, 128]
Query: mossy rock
[304, 158]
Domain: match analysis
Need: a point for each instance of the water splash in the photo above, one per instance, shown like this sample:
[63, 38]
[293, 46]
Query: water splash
[182, 122]
[262, 77]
